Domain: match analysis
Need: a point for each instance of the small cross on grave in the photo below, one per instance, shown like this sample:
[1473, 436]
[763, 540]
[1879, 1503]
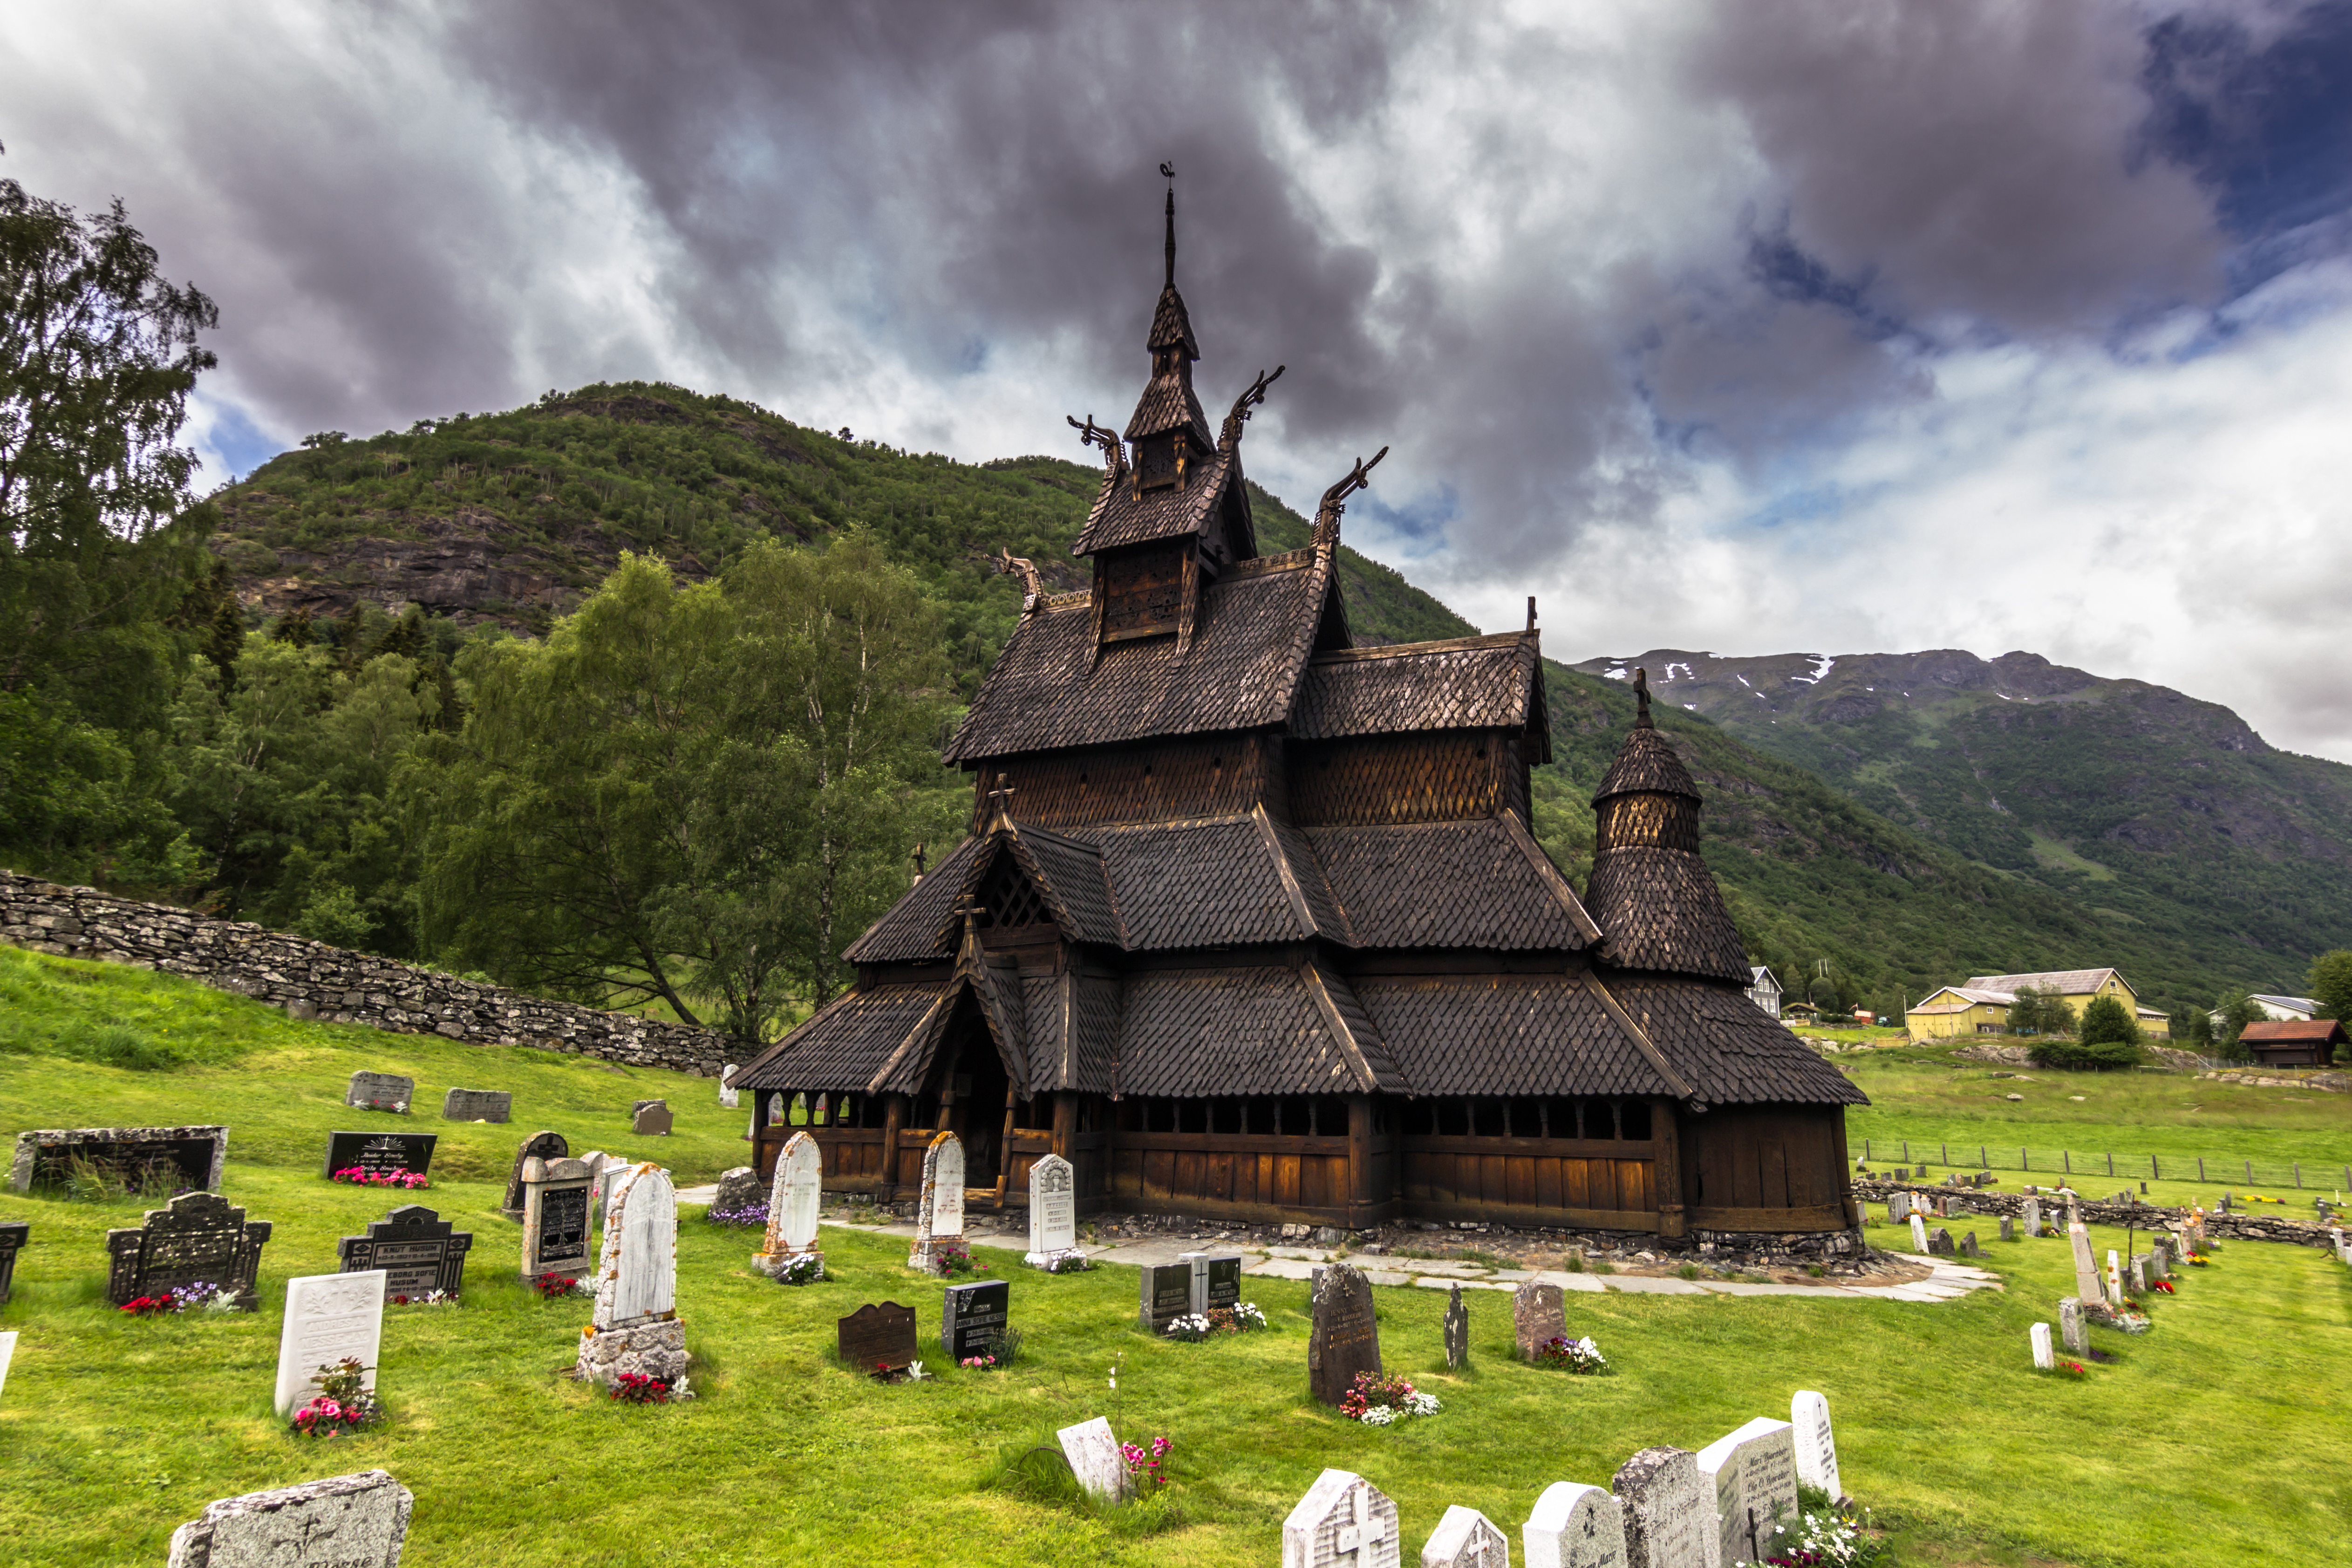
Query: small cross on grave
[1367, 1534]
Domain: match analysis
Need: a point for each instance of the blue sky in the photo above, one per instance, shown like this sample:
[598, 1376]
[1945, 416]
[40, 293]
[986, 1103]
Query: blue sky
[1815, 326]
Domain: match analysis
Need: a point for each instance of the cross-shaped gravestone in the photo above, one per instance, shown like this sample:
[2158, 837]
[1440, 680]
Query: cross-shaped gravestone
[1343, 1521]
[1458, 1331]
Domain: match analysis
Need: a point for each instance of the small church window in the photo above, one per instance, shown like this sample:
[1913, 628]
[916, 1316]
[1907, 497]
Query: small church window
[819, 1119]
[1526, 1118]
[800, 1112]
[1635, 1119]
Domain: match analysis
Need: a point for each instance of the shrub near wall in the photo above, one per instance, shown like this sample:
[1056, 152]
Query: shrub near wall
[313, 980]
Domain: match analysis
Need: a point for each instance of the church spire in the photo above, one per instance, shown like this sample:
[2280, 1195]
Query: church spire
[1169, 170]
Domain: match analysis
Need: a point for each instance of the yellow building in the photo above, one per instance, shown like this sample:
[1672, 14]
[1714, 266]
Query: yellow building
[1982, 1006]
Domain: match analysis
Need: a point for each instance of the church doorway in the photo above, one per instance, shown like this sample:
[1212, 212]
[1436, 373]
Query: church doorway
[977, 1077]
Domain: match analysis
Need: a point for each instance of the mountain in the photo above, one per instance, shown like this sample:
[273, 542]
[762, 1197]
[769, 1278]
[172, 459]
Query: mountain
[505, 521]
[2158, 814]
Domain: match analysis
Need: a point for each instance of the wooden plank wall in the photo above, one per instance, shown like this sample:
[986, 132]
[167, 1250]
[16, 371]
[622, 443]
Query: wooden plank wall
[1304, 1176]
[1456, 1175]
[1223, 777]
[1442, 776]
[1765, 1168]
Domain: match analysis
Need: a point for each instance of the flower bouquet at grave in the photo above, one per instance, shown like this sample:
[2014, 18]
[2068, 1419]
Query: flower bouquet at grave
[197, 1296]
[639, 1388]
[1146, 1467]
[553, 1287]
[1069, 1260]
[397, 1107]
[800, 1268]
[745, 1214]
[410, 1180]
[1564, 1355]
[1822, 1537]
[2071, 1369]
[1380, 1398]
[343, 1404]
[951, 1257]
[2163, 1285]
[1003, 1350]
[426, 1299]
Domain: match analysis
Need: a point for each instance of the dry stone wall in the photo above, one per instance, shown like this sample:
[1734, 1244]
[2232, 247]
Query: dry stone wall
[311, 979]
[1968, 1201]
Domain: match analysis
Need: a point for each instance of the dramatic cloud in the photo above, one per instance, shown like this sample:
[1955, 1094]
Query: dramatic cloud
[1807, 324]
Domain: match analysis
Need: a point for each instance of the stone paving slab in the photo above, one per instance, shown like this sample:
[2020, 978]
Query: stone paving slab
[1765, 1288]
[1434, 1282]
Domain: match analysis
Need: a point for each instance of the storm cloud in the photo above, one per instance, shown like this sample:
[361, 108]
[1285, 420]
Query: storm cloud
[1715, 324]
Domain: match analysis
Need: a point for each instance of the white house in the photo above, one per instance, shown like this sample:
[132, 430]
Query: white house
[2278, 1009]
[1764, 989]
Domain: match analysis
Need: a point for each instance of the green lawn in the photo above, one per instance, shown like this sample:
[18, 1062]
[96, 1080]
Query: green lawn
[2215, 1439]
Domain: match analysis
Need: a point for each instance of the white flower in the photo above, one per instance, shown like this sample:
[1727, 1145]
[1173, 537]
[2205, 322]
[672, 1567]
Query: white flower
[915, 1373]
[1379, 1416]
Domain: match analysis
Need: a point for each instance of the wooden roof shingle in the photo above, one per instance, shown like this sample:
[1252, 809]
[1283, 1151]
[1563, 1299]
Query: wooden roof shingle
[1730, 1052]
[1121, 516]
[1505, 1034]
[1659, 908]
[1646, 765]
[846, 1041]
[1482, 883]
[1468, 683]
[1263, 1030]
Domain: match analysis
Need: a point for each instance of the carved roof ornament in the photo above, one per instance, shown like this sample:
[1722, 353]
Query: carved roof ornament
[1242, 405]
[1641, 701]
[1327, 516]
[1114, 451]
[1032, 587]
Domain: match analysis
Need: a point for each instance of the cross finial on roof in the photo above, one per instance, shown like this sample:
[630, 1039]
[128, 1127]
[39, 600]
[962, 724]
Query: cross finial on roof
[1641, 701]
[918, 860]
[1000, 800]
[1167, 171]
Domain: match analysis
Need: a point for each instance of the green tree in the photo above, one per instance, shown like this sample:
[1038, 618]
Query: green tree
[2105, 1020]
[2236, 1010]
[692, 792]
[2040, 1012]
[2330, 981]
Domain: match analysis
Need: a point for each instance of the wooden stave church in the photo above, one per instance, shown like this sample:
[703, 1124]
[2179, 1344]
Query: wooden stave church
[1249, 923]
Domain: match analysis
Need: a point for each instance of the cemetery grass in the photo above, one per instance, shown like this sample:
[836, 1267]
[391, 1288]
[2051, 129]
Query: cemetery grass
[2212, 1439]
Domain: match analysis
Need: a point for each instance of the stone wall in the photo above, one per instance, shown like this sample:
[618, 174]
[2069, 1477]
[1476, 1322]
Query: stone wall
[311, 979]
[1971, 1201]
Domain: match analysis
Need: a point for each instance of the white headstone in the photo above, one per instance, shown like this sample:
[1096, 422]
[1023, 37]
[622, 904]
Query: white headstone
[942, 1209]
[729, 1095]
[1898, 1207]
[344, 1521]
[1466, 1538]
[1575, 1526]
[1918, 1234]
[7, 1353]
[797, 1195]
[1095, 1459]
[2032, 1218]
[2043, 1356]
[2114, 1281]
[637, 1274]
[1817, 1465]
[1053, 1208]
[328, 1317]
[1343, 1521]
[1754, 1471]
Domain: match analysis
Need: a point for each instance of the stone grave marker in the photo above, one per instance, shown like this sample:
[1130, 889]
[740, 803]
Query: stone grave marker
[1343, 1521]
[650, 1119]
[940, 1213]
[477, 1105]
[1096, 1458]
[2072, 1328]
[554, 1217]
[12, 1242]
[1345, 1338]
[2139, 1275]
[1053, 1208]
[379, 1153]
[199, 1238]
[2115, 1282]
[537, 1146]
[1968, 1246]
[1458, 1331]
[2032, 1216]
[7, 1353]
[972, 1316]
[1918, 1234]
[1669, 1511]
[793, 1201]
[418, 1251]
[634, 1326]
[2044, 1358]
[329, 1318]
[730, 1097]
[875, 1336]
[1754, 1470]
[739, 1188]
[2007, 1228]
[1898, 1208]
[1538, 1316]
[1216, 1279]
[1166, 1295]
[1466, 1538]
[381, 1091]
[1575, 1526]
[154, 1162]
[2086, 1272]
[1817, 1460]
[345, 1521]
[1939, 1242]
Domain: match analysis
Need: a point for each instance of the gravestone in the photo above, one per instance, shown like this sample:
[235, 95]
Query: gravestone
[1754, 1470]
[1345, 1338]
[792, 1202]
[1898, 1208]
[345, 1521]
[418, 1251]
[1095, 1459]
[1939, 1242]
[8, 1354]
[1968, 1247]
[2072, 1328]
[1538, 1316]
[12, 1242]
[1918, 1234]
[1817, 1460]
[1053, 1208]
[200, 1238]
[2139, 1275]
[972, 1316]
[2032, 1216]
[1466, 1538]
[477, 1105]
[635, 1327]
[2086, 1270]
[153, 1161]
[2115, 1282]
[939, 1218]
[537, 1146]
[1669, 1510]
[2007, 1228]
[730, 1097]
[739, 1188]
[2043, 1357]
[379, 1153]
[329, 1318]
[1216, 1279]
[1458, 1331]
[1166, 1295]
[1343, 1521]
[876, 1337]
[555, 1218]
[1574, 1526]
[650, 1119]
[381, 1091]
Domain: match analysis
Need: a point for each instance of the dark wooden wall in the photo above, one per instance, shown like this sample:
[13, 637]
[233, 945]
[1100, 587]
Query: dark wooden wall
[1223, 777]
[1444, 775]
[1765, 1168]
[1608, 1185]
[1141, 590]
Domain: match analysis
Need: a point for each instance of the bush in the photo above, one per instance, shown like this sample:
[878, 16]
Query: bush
[2076, 1056]
[2107, 1020]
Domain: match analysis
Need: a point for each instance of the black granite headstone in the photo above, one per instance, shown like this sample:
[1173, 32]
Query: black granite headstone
[12, 1242]
[971, 1317]
[874, 1338]
[1346, 1336]
[201, 1238]
[416, 1249]
[562, 1225]
[1167, 1294]
[537, 1146]
[379, 1153]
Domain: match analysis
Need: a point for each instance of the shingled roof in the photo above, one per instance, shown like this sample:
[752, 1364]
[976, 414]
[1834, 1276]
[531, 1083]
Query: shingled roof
[1482, 883]
[1656, 901]
[849, 1038]
[1270, 1030]
[1726, 1048]
[1646, 765]
[1466, 683]
[1516, 1034]
[1050, 692]
[1121, 516]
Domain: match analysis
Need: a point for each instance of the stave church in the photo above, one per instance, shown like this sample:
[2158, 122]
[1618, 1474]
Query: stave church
[1249, 924]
